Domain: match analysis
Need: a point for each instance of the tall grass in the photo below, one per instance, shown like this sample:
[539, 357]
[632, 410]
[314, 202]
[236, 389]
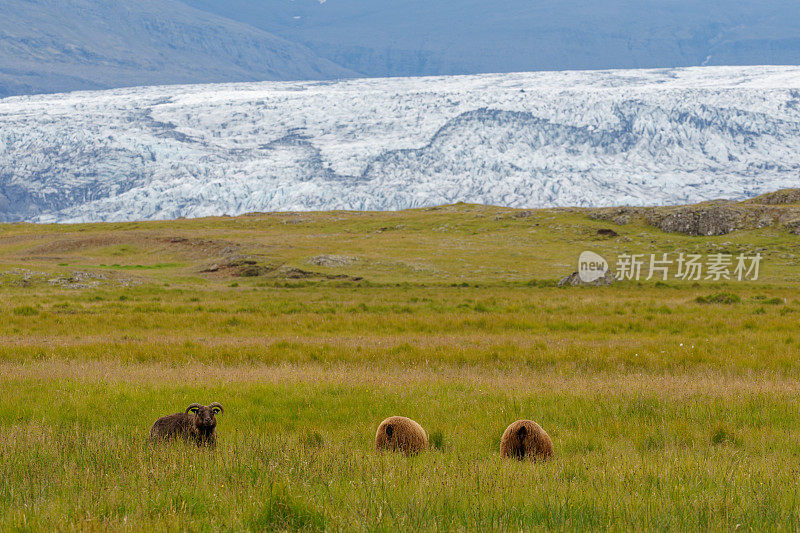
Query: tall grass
[671, 405]
[644, 455]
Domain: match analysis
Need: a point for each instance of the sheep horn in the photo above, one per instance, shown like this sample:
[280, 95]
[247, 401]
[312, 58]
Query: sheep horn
[193, 406]
[217, 405]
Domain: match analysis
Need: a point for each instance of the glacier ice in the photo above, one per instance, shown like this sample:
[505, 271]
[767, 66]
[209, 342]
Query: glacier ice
[583, 138]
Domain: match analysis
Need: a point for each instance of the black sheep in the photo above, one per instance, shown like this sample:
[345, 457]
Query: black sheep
[198, 424]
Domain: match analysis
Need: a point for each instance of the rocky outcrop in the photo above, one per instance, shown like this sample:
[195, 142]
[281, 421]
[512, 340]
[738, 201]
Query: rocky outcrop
[328, 260]
[574, 280]
[711, 218]
[695, 220]
[782, 197]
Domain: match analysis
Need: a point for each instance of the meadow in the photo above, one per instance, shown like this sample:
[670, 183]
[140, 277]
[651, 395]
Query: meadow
[672, 405]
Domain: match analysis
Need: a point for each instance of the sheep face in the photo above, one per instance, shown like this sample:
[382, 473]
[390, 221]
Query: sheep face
[205, 417]
[203, 422]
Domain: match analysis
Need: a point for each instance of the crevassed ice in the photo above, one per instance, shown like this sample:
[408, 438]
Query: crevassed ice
[650, 137]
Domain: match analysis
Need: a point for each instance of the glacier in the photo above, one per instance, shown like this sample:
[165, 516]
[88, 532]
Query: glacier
[541, 139]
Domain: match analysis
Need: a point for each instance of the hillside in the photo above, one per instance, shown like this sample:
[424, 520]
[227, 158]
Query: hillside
[64, 45]
[439, 245]
[416, 37]
[520, 140]
[49, 46]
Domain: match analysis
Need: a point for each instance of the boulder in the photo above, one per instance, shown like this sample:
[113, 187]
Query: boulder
[574, 280]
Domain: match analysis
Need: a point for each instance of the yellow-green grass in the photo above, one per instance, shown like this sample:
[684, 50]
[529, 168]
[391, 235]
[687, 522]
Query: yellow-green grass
[671, 406]
[450, 244]
[683, 452]
[625, 328]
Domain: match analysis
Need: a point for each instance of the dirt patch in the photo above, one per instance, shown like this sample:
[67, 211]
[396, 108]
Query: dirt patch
[250, 268]
[202, 247]
[71, 244]
[606, 232]
[239, 267]
[67, 245]
[297, 273]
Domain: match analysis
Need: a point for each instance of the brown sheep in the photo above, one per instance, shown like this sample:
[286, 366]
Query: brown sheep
[525, 438]
[401, 434]
[197, 424]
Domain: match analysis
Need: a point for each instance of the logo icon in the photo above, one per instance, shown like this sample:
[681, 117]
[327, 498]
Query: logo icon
[591, 267]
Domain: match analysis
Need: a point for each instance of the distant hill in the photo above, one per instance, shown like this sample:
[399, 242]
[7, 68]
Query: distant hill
[64, 45]
[423, 37]
[628, 137]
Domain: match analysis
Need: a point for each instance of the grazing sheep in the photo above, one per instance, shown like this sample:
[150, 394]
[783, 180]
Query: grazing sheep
[198, 424]
[525, 438]
[401, 434]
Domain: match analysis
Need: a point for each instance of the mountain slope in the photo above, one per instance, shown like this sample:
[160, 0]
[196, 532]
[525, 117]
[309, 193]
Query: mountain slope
[519, 140]
[419, 37]
[63, 45]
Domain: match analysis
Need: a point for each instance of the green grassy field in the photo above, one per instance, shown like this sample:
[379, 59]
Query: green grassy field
[670, 407]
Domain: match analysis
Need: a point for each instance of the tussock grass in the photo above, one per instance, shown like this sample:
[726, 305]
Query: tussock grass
[719, 298]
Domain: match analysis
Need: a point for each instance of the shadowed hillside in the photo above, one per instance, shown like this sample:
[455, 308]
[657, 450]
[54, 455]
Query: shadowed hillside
[51, 46]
